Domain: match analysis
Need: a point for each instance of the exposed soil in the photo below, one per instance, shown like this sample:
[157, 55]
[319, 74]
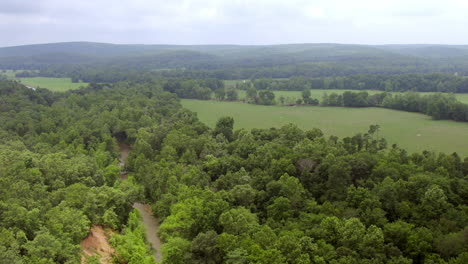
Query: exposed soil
[97, 243]
[124, 149]
[152, 226]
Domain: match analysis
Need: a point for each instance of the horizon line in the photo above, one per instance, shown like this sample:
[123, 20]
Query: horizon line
[231, 44]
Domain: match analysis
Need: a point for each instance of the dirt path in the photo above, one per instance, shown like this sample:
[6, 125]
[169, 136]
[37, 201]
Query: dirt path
[124, 150]
[149, 221]
[152, 226]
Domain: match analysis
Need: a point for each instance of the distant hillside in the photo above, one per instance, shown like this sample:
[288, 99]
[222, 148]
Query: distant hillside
[237, 61]
[429, 51]
[103, 49]
[84, 48]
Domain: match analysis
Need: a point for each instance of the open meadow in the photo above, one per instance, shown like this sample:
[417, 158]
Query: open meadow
[53, 84]
[412, 131]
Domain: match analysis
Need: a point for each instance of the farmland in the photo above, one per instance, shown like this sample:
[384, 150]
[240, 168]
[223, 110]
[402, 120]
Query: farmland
[53, 84]
[415, 132]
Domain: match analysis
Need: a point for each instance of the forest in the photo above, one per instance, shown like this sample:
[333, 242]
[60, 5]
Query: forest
[279, 195]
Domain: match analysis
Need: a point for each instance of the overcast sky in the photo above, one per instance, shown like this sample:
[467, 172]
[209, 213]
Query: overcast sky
[234, 21]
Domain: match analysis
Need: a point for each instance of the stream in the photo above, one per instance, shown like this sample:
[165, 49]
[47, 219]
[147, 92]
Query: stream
[150, 222]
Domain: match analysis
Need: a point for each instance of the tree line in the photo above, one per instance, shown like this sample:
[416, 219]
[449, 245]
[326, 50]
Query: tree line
[438, 106]
[435, 82]
[402, 80]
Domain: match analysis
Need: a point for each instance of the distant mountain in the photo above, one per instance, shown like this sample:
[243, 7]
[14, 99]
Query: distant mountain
[429, 51]
[103, 49]
[84, 48]
[269, 60]
[106, 49]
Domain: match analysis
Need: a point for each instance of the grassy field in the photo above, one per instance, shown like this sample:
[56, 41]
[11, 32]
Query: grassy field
[53, 84]
[462, 98]
[415, 132]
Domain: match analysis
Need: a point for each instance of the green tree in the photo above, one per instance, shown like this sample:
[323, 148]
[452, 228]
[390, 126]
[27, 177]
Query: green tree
[176, 251]
[266, 97]
[238, 221]
[224, 126]
[306, 96]
[232, 95]
[251, 94]
[220, 94]
[205, 250]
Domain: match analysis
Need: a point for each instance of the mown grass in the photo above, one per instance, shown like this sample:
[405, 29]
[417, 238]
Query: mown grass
[412, 131]
[53, 84]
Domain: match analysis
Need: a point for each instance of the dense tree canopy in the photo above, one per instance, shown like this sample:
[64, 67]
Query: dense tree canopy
[58, 169]
[279, 195]
[291, 196]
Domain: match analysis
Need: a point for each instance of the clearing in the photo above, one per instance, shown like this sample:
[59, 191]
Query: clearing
[53, 84]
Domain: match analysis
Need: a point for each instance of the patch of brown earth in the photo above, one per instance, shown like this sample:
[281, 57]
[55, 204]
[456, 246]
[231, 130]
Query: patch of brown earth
[124, 149]
[97, 244]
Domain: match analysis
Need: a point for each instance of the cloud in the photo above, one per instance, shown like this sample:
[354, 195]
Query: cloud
[19, 6]
[233, 21]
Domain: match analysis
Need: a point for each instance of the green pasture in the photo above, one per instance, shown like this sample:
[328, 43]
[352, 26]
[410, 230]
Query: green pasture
[53, 84]
[412, 131]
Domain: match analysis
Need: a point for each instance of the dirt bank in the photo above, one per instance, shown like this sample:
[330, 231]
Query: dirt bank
[97, 243]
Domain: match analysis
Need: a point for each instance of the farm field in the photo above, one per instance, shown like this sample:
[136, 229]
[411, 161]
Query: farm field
[53, 84]
[412, 131]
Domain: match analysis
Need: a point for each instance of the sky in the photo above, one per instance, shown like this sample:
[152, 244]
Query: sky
[247, 22]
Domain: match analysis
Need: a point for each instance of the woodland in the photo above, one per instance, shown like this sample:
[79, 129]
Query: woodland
[279, 195]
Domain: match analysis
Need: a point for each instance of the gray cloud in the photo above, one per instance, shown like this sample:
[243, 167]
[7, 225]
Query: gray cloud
[20, 6]
[233, 21]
